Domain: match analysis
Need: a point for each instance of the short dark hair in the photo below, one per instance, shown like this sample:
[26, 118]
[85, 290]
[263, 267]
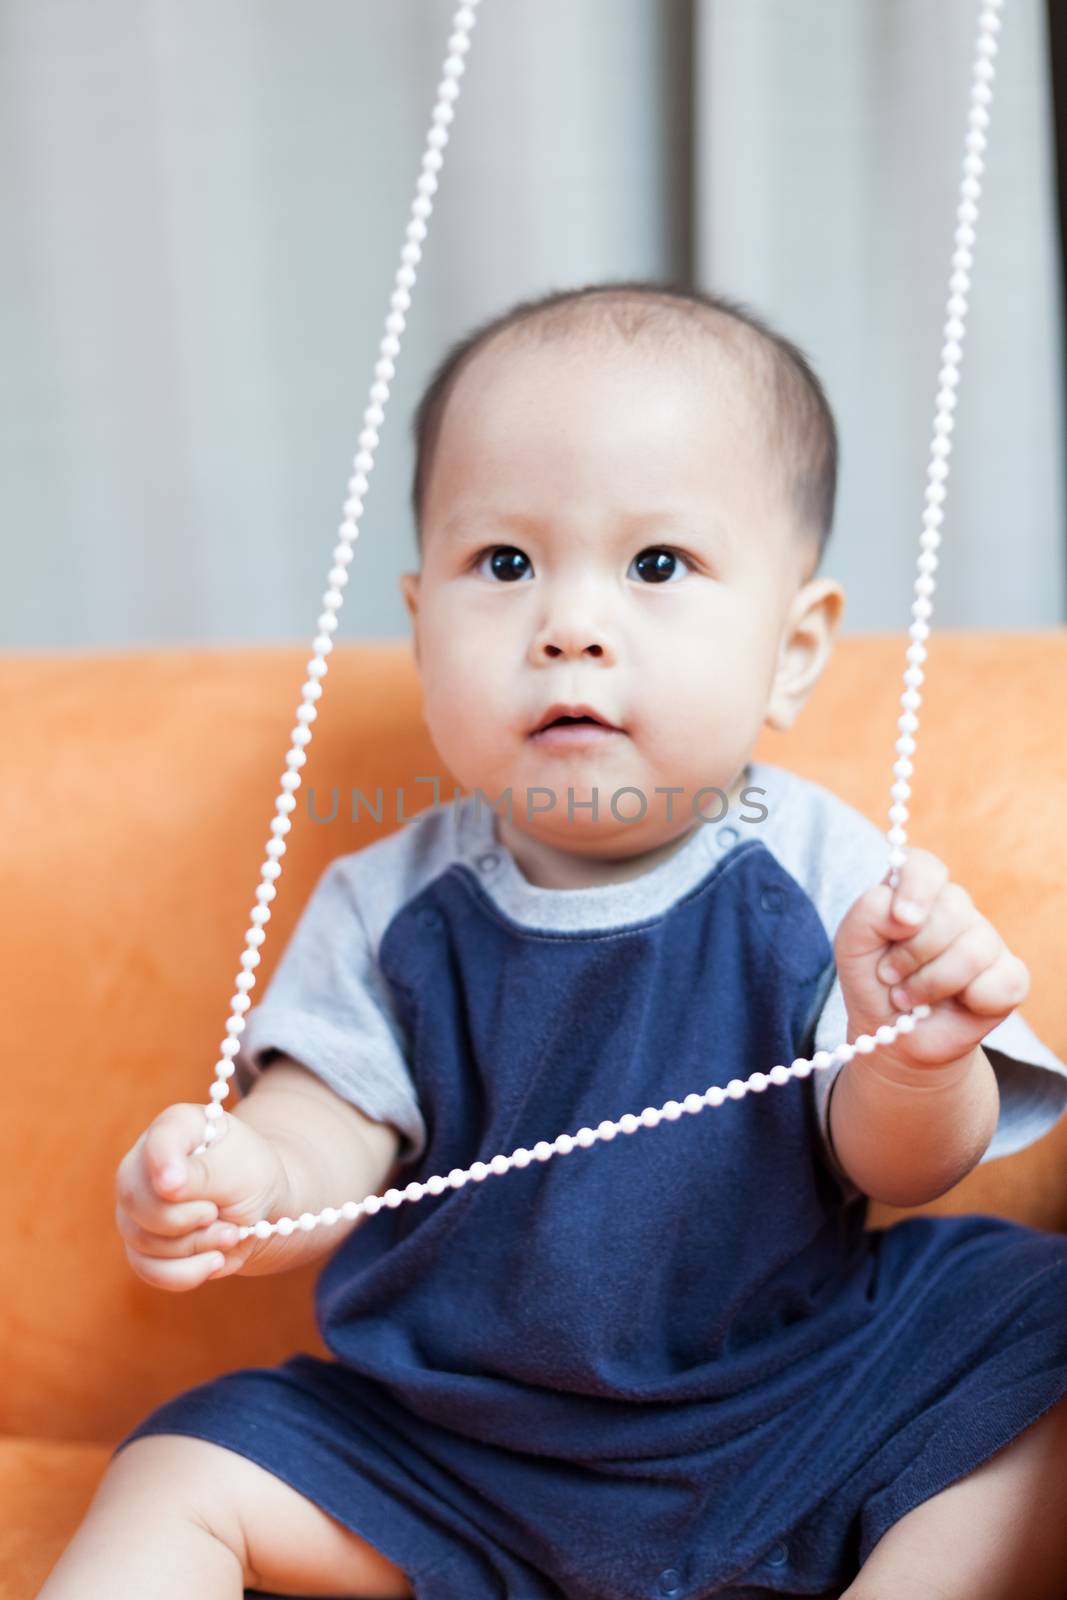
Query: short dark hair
[801, 431]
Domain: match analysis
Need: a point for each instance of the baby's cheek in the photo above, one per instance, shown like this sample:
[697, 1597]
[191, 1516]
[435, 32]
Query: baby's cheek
[465, 721]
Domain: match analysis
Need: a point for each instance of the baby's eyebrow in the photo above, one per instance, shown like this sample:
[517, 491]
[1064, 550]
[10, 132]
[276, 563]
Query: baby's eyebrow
[695, 523]
[465, 521]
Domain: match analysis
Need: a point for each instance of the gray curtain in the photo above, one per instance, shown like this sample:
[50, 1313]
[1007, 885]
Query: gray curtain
[829, 139]
[204, 202]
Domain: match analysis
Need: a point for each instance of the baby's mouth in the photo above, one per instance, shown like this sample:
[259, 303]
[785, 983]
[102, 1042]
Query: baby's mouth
[578, 726]
[562, 715]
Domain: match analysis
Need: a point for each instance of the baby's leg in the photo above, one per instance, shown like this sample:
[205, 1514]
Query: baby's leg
[997, 1534]
[175, 1516]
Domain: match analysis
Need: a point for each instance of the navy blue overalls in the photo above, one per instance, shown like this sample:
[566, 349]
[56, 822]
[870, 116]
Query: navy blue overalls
[673, 1364]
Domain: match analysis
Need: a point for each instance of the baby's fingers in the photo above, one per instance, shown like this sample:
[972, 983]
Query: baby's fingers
[168, 1162]
[976, 969]
[135, 1199]
[1000, 988]
[217, 1235]
[162, 1206]
[187, 1272]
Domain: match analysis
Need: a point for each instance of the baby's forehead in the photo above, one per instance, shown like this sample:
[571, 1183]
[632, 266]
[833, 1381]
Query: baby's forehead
[513, 454]
[732, 411]
[574, 382]
[648, 423]
[720, 360]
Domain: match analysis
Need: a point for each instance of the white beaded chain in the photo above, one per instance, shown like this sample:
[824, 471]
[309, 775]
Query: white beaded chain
[908, 722]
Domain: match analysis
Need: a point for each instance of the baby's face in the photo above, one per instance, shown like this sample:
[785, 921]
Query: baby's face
[601, 530]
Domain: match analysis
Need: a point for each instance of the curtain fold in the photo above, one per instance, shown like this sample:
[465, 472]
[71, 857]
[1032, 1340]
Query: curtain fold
[203, 208]
[828, 150]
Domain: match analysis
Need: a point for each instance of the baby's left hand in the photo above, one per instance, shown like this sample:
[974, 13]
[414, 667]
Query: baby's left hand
[946, 956]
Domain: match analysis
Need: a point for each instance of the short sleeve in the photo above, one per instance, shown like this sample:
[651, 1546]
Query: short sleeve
[328, 1007]
[1032, 1082]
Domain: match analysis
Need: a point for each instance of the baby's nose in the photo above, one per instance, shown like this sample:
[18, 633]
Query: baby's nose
[551, 648]
[573, 634]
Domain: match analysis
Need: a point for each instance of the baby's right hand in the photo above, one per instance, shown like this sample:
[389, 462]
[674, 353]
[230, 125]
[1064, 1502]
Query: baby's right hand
[174, 1230]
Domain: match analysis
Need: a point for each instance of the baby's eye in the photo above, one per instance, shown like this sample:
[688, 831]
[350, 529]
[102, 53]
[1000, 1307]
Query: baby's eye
[658, 563]
[507, 563]
[655, 564]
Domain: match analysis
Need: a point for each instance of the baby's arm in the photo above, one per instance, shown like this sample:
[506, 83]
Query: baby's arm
[331, 1151]
[913, 1118]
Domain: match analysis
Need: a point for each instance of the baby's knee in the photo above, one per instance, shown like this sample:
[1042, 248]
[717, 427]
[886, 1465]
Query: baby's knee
[178, 1475]
[284, 1542]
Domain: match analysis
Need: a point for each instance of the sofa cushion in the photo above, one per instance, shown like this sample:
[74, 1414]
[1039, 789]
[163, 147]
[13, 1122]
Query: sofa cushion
[139, 792]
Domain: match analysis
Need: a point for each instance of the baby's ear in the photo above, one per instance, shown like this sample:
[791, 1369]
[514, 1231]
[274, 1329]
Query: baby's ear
[409, 589]
[803, 649]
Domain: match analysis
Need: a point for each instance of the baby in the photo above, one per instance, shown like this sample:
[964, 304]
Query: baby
[676, 1364]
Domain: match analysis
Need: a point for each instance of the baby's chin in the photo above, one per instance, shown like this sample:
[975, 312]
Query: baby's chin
[564, 800]
[609, 834]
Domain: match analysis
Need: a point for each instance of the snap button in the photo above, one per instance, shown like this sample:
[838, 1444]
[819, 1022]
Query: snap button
[771, 898]
[489, 861]
[727, 836]
[670, 1582]
[428, 917]
[777, 1555]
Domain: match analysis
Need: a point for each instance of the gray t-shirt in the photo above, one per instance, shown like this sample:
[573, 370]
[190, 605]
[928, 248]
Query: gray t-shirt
[328, 1006]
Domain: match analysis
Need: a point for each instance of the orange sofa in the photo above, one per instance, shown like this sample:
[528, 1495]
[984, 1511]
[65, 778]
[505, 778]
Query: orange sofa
[138, 790]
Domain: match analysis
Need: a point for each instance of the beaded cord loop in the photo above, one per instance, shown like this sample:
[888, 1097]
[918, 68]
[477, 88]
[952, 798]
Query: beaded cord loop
[908, 722]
